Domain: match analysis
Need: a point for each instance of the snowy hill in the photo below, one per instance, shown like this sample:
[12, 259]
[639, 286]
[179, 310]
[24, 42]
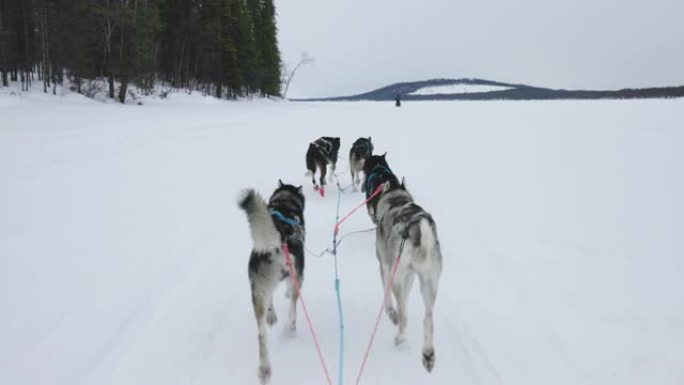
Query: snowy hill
[457, 88]
[123, 256]
[479, 89]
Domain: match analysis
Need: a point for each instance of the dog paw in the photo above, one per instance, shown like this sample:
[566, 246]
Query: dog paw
[399, 339]
[355, 189]
[429, 359]
[264, 374]
[393, 315]
[271, 317]
[315, 187]
[291, 327]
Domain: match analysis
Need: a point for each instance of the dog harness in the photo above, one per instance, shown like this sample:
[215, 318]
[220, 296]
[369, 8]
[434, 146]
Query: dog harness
[376, 171]
[294, 222]
[416, 218]
[324, 146]
[365, 146]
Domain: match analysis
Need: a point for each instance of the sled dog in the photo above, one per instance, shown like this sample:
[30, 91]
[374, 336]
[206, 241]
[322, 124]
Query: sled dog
[404, 229]
[359, 152]
[321, 152]
[279, 222]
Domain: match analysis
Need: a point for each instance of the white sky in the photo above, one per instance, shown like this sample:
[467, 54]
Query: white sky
[360, 45]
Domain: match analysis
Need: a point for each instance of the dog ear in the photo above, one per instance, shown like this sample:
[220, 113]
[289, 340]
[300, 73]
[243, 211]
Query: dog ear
[299, 190]
[280, 183]
[369, 138]
[403, 183]
[383, 156]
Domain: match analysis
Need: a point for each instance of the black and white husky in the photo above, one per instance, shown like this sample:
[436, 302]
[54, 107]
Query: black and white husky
[404, 228]
[279, 222]
[321, 152]
[359, 152]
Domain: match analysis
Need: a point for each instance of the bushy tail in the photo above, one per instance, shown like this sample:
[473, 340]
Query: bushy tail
[264, 233]
[423, 240]
[310, 161]
[427, 238]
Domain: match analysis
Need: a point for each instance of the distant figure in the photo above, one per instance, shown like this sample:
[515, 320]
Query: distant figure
[397, 101]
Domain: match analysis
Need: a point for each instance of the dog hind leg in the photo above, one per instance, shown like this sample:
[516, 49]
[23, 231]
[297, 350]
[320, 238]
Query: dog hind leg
[403, 309]
[428, 289]
[311, 167]
[353, 179]
[323, 169]
[399, 295]
[291, 325]
[271, 317]
[259, 299]
[358, 179]
[385, 272]
[333, 166]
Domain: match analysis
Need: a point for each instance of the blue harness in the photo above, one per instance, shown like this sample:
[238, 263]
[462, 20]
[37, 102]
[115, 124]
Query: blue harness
[294, 222]
[377, 170]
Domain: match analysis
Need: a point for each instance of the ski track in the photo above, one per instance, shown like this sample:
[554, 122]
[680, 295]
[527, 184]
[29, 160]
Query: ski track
[123, 256]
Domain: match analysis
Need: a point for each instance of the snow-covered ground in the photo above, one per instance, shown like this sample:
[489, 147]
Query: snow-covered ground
[123, 256]
[457, 89]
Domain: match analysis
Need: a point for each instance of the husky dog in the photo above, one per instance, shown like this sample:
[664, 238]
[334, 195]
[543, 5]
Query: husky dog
[360, 151]
[405, 229]
[321, 152]
[280, 222]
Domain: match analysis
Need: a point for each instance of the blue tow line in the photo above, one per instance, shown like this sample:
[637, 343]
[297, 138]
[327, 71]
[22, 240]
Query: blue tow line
[340, 363]
[295, 223]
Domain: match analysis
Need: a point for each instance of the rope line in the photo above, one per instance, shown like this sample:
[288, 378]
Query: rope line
[288, 260]
[336, 231]
[375, 193]
[354, 232]
[340, 362]
[384, 303]
[295, 282]
[328, 250]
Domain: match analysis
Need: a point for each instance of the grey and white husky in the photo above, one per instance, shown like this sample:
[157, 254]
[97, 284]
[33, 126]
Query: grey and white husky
[279, 222]
[404, 228]
[359, 152]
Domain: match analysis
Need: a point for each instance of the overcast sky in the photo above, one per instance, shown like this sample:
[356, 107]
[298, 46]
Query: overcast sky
[360, 45]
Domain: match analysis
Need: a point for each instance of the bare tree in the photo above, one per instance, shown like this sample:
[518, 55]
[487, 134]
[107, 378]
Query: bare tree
[304, 59]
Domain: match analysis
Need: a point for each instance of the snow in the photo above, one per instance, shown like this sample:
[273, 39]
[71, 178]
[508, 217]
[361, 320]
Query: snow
[457, 89]
[123, 256]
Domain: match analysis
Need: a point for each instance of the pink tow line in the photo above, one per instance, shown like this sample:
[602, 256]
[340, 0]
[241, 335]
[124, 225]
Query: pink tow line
[373, 195]
[295, 281]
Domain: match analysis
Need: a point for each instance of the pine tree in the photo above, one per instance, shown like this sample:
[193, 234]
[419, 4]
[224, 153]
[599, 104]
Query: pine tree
[230, 46]
[78, 32]
[270, 55]
[227, 48]
[4, 44]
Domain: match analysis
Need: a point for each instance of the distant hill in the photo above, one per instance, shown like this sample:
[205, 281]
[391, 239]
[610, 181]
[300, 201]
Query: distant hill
[479, 89]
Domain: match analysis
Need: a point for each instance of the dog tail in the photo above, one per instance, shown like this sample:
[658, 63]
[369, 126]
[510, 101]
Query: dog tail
[423, 240]
[310, 161]
[264, 233]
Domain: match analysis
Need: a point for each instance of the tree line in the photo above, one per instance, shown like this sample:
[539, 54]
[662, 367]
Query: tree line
[227, 48]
